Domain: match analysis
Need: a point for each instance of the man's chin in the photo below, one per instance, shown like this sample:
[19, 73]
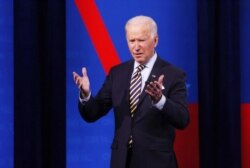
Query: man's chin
[140, 61]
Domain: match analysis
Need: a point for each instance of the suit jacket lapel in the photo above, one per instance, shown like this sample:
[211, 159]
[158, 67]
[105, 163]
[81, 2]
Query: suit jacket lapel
[127, 79]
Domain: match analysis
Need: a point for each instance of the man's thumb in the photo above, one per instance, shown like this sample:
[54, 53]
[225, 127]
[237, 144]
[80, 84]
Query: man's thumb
[160, 80]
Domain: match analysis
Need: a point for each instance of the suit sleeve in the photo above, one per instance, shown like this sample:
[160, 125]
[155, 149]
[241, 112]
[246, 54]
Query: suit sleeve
[175, 108]
[99, 105]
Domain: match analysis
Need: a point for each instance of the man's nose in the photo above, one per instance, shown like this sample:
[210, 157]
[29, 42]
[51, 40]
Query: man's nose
[137, 46]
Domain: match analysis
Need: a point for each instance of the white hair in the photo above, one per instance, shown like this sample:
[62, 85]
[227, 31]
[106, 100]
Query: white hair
[146, 21]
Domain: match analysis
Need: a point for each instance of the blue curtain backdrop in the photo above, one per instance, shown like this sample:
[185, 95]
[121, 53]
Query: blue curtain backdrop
[6, 84]
[219, 83]
[245, 50]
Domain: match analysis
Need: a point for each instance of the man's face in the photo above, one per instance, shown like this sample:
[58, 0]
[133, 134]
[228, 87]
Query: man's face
[141, 43]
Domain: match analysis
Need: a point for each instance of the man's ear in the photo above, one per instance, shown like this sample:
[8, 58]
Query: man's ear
[156, 40]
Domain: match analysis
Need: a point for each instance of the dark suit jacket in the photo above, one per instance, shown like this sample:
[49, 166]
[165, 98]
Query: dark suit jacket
[153, 130]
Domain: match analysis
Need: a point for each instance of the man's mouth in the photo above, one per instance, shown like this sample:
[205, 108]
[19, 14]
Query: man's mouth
[138, 54]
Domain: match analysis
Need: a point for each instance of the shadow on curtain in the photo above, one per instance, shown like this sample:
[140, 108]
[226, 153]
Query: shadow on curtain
[39, 84]
[219, 83]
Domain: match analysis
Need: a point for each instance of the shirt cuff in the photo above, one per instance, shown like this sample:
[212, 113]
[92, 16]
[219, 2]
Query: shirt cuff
[84, 99]
[160, 104]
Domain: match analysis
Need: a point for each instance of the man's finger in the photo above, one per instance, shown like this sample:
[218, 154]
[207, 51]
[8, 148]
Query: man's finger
[84, 71]
[75, 75]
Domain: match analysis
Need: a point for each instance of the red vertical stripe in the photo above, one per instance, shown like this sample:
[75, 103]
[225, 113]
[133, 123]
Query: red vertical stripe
[245, 135]
[187, 142]
[98, 33]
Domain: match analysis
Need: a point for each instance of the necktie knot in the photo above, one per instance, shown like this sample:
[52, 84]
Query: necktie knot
[140, 67]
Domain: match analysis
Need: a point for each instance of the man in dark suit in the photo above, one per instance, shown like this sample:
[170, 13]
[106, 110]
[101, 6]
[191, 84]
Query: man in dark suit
[149, 99]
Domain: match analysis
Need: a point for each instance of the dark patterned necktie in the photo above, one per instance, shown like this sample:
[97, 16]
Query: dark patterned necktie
[135, 88]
